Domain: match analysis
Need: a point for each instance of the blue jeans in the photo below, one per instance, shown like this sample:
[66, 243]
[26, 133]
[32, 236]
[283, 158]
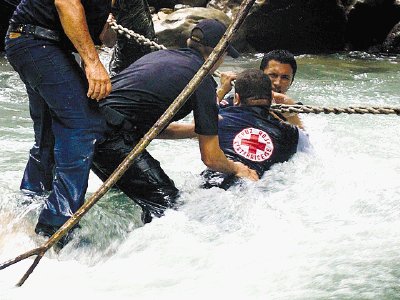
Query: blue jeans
[38, 174]
[59, 107]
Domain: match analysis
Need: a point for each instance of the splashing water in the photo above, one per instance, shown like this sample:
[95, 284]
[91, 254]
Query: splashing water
[320, 226]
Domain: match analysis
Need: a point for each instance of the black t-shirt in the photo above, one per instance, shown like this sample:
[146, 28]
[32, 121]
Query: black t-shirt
[249, 134]
[44, 13]
[145, 89]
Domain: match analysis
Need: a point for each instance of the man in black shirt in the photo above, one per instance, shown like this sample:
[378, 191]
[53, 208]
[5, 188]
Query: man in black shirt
[141, 94]
[249, 133]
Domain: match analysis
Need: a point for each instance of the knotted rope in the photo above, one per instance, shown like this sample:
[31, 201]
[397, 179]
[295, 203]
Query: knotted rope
[360, 110]
[140, 39]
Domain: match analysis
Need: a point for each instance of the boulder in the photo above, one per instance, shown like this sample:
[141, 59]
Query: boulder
[392, 41]
[301, 26]
[369, 22]
[174, 29]
[194, 3]
[230, 7]
[158, 4]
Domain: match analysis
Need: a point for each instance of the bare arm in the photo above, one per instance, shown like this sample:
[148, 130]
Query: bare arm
[293, 119]
[226, 79]
[214, 158]
[73, 21]
[178, 131]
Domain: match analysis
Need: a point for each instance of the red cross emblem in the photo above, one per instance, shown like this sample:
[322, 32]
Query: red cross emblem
[253, 144]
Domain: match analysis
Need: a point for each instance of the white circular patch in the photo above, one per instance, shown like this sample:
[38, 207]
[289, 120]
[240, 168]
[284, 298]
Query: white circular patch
[253, 144]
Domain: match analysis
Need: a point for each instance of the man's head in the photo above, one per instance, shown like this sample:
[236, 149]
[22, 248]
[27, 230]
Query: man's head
[206, 35]
[281, 67]
[253, 87]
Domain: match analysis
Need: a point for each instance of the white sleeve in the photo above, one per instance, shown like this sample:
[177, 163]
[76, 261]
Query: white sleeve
[303, 144]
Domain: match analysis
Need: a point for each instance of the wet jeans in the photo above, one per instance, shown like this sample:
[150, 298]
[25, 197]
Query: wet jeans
[59, 108]
[145, 181]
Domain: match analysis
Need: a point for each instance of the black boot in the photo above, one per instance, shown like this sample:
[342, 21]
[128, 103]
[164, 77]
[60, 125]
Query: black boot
[47, 230]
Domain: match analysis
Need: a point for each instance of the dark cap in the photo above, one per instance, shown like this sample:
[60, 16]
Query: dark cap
[212, 31]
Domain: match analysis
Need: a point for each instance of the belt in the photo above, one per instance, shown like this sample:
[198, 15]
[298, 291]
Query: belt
[36, 31]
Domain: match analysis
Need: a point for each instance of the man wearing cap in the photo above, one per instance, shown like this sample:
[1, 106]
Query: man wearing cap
[141, 94]
[249, 133]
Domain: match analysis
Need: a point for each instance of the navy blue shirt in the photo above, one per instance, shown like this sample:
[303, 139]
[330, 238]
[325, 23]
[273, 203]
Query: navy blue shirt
[145, 89]
[13, 3]
[251, 135]
[228, 102]
[44, 13]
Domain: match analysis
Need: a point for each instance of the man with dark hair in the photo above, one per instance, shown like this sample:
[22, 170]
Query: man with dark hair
[39, 43]
[281, 67]
[141, 94]
[249, 133]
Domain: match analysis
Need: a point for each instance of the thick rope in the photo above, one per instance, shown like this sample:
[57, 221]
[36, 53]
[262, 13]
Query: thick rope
[360, 110]
[140, 39]
[282, 108]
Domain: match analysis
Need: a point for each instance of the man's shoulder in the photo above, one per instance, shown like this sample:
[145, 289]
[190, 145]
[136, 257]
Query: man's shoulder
[226, 102]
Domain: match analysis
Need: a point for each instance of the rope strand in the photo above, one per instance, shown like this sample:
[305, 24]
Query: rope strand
[360, 110]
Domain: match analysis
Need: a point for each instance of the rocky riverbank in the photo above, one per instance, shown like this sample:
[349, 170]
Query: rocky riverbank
[302, 26]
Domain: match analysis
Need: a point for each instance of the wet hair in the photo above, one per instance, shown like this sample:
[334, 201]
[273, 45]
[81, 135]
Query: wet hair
[253, 84]
[282, 56]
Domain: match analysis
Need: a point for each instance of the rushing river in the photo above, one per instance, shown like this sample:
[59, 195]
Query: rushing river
[324, 225]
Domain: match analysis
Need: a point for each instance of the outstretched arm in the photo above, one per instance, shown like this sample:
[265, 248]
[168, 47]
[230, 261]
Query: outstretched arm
[178, 131]
[292, 118]
[226, 80]
[214, 158]
[73, 21]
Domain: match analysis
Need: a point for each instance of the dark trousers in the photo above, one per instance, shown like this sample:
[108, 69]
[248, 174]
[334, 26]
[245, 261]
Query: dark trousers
[134, 15]
[145, 181]
[56, 88]
[221, 180]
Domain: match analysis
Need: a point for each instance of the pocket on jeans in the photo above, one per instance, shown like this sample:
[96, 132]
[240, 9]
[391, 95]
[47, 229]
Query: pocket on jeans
[23, 62]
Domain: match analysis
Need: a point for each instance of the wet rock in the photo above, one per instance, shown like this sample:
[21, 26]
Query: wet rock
[194, 3]
[369, 22]
[230, 7]
[392, 41]
[174, 30]
[300, 26]
[158, 4]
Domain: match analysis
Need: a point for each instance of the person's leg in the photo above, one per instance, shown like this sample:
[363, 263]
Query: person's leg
[38, 174]
[134, 15]
[145, 181]
[76, 124]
